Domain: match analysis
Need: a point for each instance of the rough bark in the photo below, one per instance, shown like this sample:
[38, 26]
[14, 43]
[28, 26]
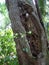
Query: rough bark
[25, 57]
[24, 18]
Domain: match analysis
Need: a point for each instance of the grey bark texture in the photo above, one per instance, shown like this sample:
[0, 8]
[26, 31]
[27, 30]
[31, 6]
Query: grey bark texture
[25, 57]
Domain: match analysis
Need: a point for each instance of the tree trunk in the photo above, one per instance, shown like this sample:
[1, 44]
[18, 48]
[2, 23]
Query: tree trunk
[31, 39]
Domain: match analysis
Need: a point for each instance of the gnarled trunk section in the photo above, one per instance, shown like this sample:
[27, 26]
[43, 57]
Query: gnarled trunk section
[31, 39]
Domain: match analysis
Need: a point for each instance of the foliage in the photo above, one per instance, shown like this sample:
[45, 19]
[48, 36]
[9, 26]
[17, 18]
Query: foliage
[4, 16]
[7, 48]
[42, 6]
